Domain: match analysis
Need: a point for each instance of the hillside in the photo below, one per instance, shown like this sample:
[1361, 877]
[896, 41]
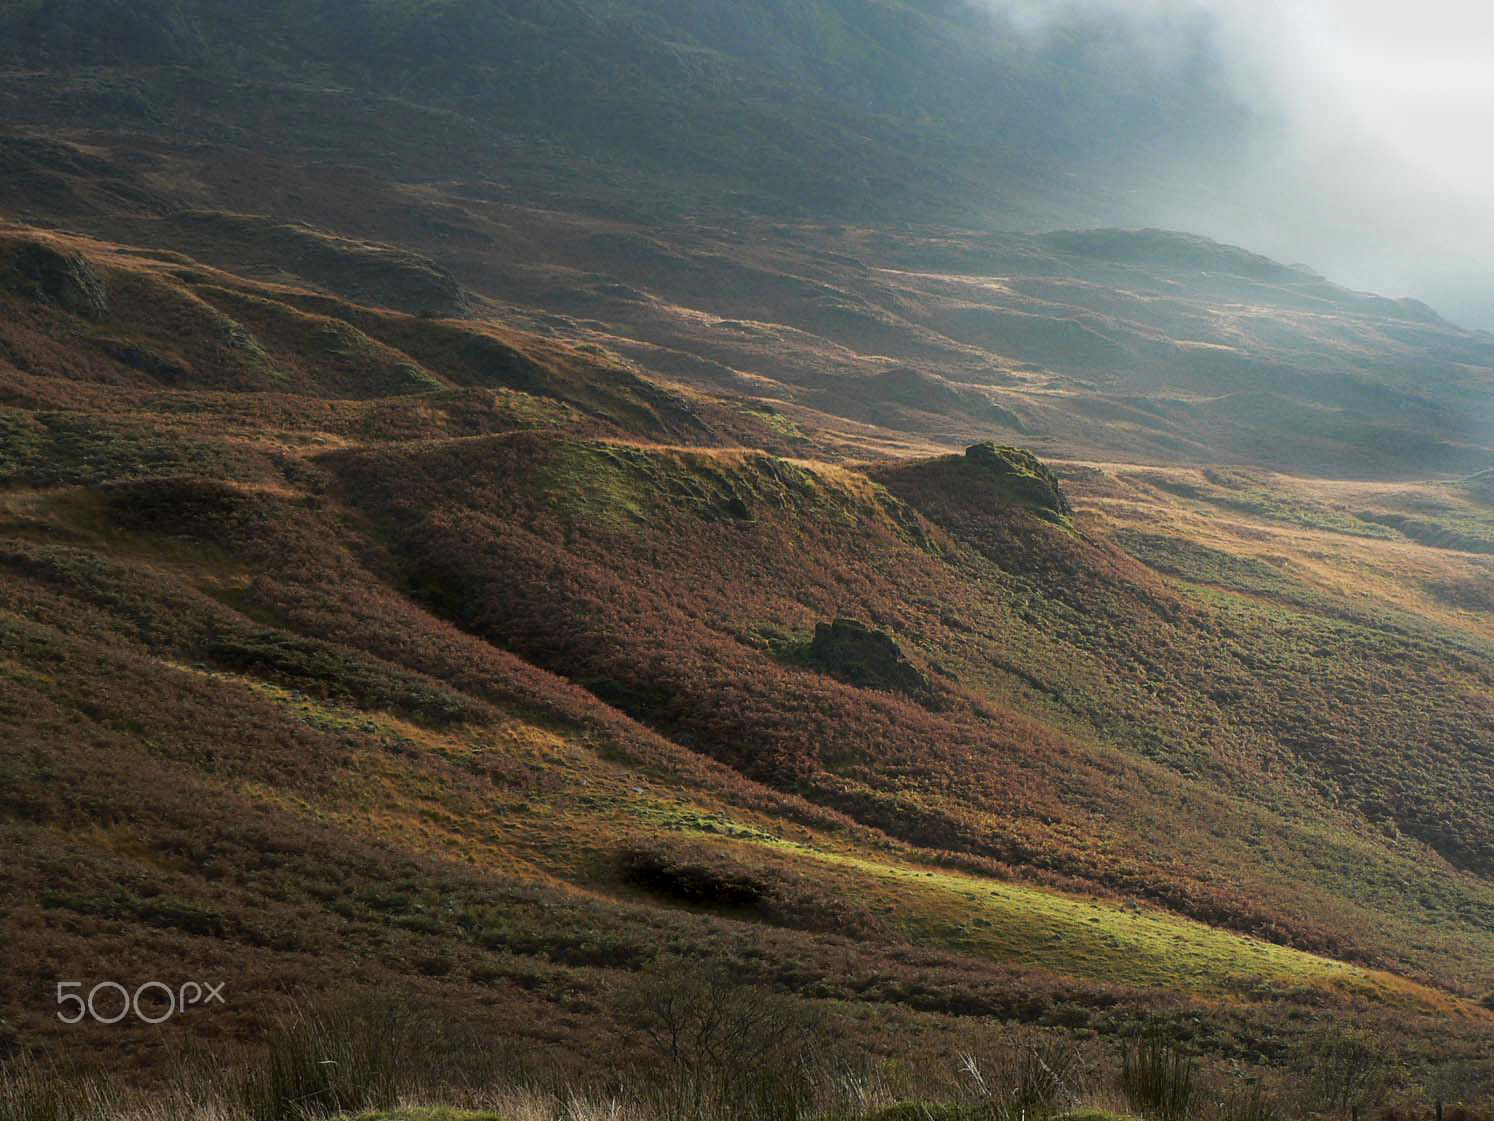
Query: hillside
[351, 647]
[826, 106]
[1143, 346]
[501, 500]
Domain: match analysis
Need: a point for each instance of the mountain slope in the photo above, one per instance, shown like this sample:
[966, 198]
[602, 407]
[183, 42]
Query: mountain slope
[437, 654]
[846, 106]
[1145, 346]
[497, 495]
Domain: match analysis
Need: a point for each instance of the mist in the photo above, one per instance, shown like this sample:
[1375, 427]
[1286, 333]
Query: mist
[1368, 157]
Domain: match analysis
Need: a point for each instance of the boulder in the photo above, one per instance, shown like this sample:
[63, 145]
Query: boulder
[1022, 476]
[864, 656]
[49, 275]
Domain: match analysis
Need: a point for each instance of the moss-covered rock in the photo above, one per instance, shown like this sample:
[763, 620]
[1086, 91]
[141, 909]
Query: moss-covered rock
[49, 275]
[864, 656]
[1023, 476]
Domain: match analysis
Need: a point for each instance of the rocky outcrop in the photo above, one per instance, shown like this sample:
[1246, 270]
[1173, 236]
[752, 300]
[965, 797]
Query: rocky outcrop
[49, 275]
[1022, 476]
[864, 656]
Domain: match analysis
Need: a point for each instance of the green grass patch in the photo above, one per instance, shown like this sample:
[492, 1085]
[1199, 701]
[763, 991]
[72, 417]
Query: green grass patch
[618, 486]
[1244, 493]
[1089, 938]
[1200, 564]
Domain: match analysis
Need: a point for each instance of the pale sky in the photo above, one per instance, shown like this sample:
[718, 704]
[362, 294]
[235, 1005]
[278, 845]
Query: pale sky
[1417, 76]
[1381, 172]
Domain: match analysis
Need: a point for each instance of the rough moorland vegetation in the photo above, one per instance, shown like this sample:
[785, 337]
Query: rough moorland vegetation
[454, 552]
[693, 1042]
[347, 649]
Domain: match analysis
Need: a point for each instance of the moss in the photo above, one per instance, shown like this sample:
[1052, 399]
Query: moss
[777, 422]
[46, 274]
[597, 483]
[1023, 477]
[617, 486]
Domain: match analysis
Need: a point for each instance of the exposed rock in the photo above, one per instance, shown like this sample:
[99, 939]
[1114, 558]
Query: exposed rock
[49, 275]
[1023, 476]
[864, 656]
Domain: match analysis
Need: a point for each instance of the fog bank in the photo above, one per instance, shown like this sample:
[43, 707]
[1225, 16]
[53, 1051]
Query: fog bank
[1369, 158]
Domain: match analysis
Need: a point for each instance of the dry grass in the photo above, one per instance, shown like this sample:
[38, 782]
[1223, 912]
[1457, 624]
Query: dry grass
[294, 679]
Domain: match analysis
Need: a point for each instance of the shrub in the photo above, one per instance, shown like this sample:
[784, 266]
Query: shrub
[29, 1092]
[1344, 1068]
[1158, 1078]
[923, 1111]
[322, 1063]
[709, 1048]
[1252, 1104]
[1027, 1080]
